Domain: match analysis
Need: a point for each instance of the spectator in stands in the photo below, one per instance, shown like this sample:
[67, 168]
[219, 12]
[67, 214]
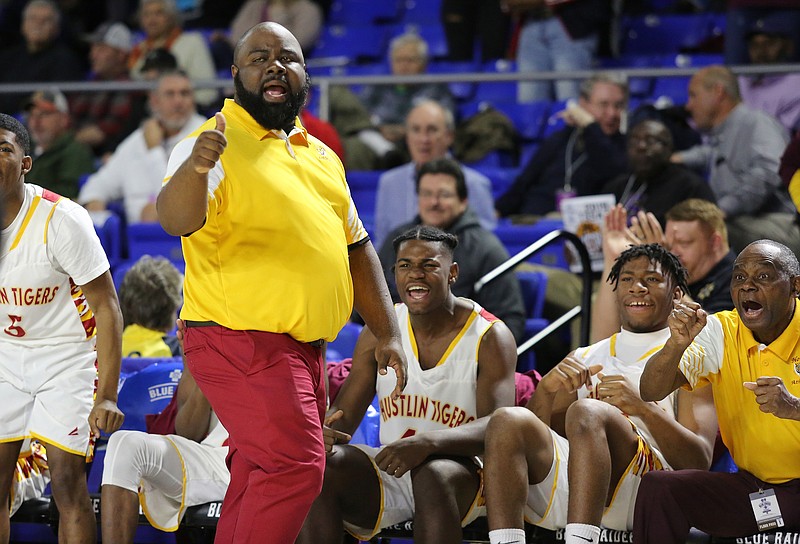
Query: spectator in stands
[427, 475]
[577, 160]
[373, 124]
[166, 473]
[739, 21]
[790, 166]
[60, 347]
[654, 184]
[695, 233]
[442, 203]
[556, 36]
[742, 153]
[390, 104]
[586, 418]
[303, 18]
[161, 22]
[103, 118]
[743, 355]
[42, 57]
[429, 131]
[770, 42]
[134, 171]
[466, 22]
[149, 297]
[156, 62]
[60, 160]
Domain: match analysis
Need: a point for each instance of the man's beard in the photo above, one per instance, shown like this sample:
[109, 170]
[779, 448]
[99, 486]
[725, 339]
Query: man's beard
[268, 114]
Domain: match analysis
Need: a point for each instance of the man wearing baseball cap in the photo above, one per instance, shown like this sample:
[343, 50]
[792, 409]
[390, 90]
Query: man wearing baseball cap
[771, 40]
[59, 159]
[103, 119]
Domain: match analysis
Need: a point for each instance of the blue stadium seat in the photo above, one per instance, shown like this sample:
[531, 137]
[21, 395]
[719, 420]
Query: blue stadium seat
[462, 90]
[529, 119]
[363, 187]
[356, 43]
[421, 11]
[554, 121]
[534, 285]
[345, 341]
[501, 178]
[665, 33]
[110, 232]
[363, 12]
[368, 431]
[496, 91]
[148, 392]
[637, 86]
[515, 238]
[676, 88]
[151, 239]
[527, 152]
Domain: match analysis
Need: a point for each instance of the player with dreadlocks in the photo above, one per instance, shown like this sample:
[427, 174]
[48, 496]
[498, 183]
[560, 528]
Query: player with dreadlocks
[586, 420]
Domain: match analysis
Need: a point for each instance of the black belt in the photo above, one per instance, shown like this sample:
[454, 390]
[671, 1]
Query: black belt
[189, 323]
[315, 343]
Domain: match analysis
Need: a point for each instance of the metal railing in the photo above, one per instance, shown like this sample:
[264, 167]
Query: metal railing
[324, 83]
[583, 310]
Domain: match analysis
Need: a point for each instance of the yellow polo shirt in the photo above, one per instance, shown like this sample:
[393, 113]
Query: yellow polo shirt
[273, 253]
[725, 354]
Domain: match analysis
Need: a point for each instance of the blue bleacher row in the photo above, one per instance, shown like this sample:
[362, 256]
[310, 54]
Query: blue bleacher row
[374, 23]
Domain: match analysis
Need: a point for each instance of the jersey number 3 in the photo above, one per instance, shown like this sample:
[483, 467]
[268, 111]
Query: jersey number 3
[13, 329]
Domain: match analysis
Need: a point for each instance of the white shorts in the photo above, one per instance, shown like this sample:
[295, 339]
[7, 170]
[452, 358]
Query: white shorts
[170, 473]
[47, 393]
[548, 500]
[397, 499]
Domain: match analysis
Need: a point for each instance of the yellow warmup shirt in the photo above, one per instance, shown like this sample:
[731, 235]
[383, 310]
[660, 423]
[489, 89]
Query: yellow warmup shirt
[138, 341]
[273, 253]
[726, 354]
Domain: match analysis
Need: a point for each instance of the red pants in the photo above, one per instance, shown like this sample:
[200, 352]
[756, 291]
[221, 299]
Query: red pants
[669, 503]
[268, 391]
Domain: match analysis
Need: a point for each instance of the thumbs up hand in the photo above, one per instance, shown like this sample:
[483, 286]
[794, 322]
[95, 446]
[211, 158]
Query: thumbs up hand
[208, 147]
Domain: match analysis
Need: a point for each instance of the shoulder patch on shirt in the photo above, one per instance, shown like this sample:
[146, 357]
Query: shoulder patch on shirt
[323, 154]
[488, 316]
[50, 196]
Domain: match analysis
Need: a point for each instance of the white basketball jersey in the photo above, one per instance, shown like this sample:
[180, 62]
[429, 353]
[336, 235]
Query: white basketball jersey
[626, 353]
[441, 397]
[48, 251]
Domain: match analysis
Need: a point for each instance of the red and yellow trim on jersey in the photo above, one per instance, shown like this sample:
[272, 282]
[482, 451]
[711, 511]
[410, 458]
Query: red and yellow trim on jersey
[26, 221]
[612, 348]
[645, 460]
[30, 462]
[452, 345]
[48, 196]
[84, 311]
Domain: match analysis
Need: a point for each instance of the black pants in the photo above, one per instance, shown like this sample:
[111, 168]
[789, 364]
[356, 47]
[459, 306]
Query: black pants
[466, 20]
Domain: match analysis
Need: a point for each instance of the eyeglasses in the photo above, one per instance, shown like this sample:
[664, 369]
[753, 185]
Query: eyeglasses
[439, 195]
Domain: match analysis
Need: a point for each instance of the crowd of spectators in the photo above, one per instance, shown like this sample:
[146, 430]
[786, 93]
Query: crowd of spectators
[705, 203]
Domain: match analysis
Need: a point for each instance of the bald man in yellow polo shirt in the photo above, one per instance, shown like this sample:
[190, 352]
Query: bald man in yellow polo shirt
[276, 258]
[751, 358]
